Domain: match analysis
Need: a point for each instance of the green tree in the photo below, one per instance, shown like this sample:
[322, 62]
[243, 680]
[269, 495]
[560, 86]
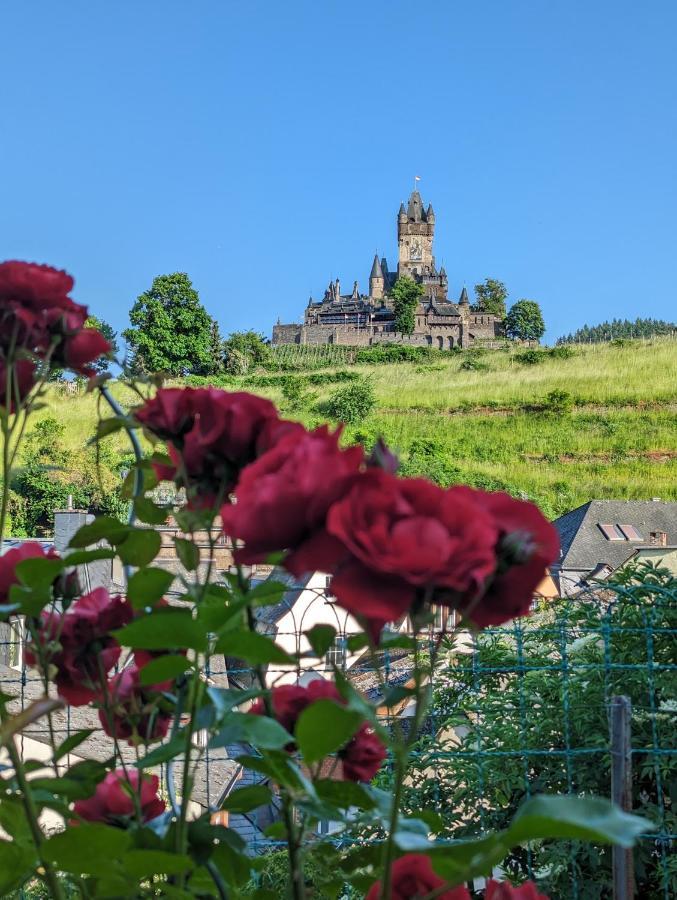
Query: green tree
[216, 357]
[491, 296]
[525, 321]
[245, 350]
[171, 330]
[103, 364]
[406, 293]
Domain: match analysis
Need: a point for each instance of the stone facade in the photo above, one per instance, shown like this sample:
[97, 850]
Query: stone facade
[360, 320]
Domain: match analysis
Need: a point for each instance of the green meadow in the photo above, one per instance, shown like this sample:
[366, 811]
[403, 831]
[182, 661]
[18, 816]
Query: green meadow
[609, 431]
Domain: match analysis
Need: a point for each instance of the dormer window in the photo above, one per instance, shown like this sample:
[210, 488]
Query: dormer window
[621, 532]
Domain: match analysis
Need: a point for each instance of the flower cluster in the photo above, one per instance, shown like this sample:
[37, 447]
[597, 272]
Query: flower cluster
[40, 323]
[132, 711]
[360, 759]
[118, 797]
[413, 876]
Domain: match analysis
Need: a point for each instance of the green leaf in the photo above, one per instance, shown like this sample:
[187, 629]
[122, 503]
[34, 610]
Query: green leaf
[148, 480]
[147, 586]
[71, 742]
[262, 732]
[324, 727]
[163, 668]
[164, 752]
[581, 818]
[188, 553]
[81, 557]
[256, 649]
[16, 865]
[343, 794]
[164, 629]
[268, 593]
[104, 427]
[220, 608]
[88, 849]
[143, 863]
[37, 709]
[277, 766]
[140, 547]
[39, 573]
[62, 787]
[357, 642]
[320, 638]
[102, 528]
[149, 512]
[245, 799]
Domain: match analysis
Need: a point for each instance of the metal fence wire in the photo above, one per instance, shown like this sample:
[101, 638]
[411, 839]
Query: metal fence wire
[516, 710]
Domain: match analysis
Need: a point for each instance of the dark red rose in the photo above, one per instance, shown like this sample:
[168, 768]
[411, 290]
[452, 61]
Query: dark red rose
[406, 538]
[282, 500]
[503, 890]
[132, 711]
[112, 802]
[527, 545]
[86, 649]
[361, 757]
[84, 348]
[412, 877]
[169, 414]
[23, 379]
[36, 286]
[9, 562]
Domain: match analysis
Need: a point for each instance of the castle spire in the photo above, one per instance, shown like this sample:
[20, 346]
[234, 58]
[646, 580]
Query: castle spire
[376, 270]
[464, 297]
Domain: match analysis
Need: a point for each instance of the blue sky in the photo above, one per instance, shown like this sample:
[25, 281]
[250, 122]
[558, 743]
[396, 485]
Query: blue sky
[264, 148]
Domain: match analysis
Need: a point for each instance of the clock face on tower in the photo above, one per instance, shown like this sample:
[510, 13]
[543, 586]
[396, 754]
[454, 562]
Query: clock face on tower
[415, 251]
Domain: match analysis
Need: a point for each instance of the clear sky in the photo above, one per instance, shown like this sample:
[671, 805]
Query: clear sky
[264, 147]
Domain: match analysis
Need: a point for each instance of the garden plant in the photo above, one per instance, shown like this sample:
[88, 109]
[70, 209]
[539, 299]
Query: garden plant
[395, 546]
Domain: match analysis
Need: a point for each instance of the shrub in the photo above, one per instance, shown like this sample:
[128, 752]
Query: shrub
[353, 403]
[387, 353]
[473, 364]
[559, 401]
[296, 394]
[562, 351]
[531, 357]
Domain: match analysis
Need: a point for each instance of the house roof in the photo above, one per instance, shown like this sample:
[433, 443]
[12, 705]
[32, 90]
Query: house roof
[585, 545]
[271, 615]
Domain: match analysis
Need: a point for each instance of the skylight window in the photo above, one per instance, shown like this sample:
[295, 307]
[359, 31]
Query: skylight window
[630, 532]
[612, 532]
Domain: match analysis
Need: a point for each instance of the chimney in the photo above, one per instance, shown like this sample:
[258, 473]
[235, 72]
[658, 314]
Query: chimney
[66, 523]
[658, 538]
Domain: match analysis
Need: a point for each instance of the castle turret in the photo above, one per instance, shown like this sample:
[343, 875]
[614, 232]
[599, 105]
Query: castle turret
[376, 280]
[402, 215]
[415, 234]
[429, 214]
[356, 293]
[463, 299]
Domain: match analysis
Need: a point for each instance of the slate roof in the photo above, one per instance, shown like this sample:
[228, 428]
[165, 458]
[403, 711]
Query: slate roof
[584, 545]
[267, 616]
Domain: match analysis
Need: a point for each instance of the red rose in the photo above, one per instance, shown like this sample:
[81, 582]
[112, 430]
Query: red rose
[282, 499]
[527, 545]
[23, 379]
[412, 876]
[84, 348]
[361, 757]
[212, 435]
[9, 562]
[36, 286]
[112, 801]
[502, 890]
[406, 537]
[133, 713]
[86, 648]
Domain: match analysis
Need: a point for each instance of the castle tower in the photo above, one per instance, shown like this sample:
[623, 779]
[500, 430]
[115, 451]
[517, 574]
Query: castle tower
[376, 280]
[415, 232]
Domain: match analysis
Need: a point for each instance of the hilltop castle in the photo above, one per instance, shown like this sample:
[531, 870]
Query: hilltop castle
[363, 319]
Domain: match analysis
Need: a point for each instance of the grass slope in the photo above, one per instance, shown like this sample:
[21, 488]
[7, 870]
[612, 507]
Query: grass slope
[492, 428]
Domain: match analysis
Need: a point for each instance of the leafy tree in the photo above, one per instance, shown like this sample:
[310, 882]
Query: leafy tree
[491, 296]
[215, 350]
[406, 293]
[525, 321]
[619, 328]
[103, 364]
[171, 330]
[245, 350]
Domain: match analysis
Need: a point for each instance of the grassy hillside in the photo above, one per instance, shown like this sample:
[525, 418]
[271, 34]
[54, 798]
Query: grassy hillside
[608, 431]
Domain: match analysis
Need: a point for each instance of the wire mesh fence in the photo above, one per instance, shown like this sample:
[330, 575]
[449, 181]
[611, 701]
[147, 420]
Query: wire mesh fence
[515, 711]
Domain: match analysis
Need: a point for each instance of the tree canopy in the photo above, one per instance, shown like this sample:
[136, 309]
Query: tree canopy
[244, 350]
[171, 330]
[618, 328]
[103, 363]
[491, 296]
[406, 293]
[525, 321]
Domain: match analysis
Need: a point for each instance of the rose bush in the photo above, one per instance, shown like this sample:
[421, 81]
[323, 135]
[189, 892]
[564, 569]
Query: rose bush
[142, 662]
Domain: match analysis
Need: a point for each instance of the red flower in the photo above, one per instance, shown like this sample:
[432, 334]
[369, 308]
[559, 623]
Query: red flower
[527, 545]
[502, 890]
[23, 379]
[83, 348]
[406, 537]
[85, 648]
[9, 562]
[282, 500]
[361, 757]
[412, 876]
[113, 802]
[133, 712]
[35, 286]
[212, 435]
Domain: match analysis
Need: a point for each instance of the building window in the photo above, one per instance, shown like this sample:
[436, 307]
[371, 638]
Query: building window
[338, 652]
[631, 533]
[327, 588]
[612, 532]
